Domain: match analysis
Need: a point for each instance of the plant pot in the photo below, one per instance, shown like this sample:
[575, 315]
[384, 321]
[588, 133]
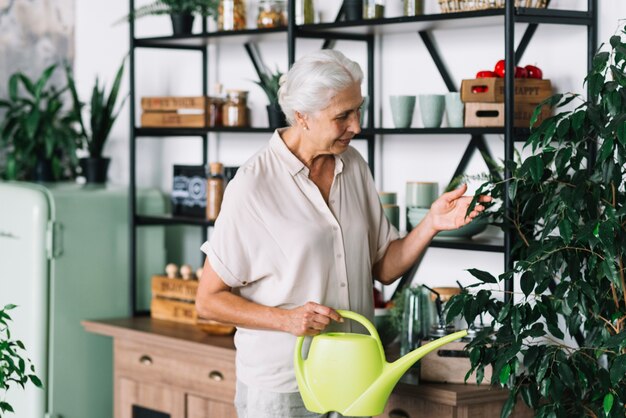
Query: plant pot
[353, 9]
[95, 169]
[43, 171]
[276, 116]
[182, 24]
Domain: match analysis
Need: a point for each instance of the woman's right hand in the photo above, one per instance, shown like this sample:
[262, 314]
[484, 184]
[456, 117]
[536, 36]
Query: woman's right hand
[310, 319]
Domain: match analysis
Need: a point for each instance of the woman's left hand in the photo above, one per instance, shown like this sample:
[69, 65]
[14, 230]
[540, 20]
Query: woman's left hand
[449, 210]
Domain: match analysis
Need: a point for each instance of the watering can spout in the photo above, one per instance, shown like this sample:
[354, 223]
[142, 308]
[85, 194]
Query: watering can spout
[400, 366]
[392, 372]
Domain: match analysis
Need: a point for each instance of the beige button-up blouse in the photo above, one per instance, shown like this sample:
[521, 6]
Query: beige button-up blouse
[277, 243]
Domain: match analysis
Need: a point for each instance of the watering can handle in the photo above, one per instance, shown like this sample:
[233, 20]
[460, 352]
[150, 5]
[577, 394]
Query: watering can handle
[367, 324]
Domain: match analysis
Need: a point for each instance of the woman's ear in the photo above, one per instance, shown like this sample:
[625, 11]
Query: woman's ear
[301, 120]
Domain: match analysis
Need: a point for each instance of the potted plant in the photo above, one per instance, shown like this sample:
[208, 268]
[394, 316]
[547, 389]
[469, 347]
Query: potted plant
[102, 115]
[270, 83]
[36, 132]
[15, 367]
[560, 342]
[182, 12]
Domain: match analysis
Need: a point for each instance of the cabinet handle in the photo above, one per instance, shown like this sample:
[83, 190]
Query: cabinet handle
[216, 376]
[398, 413]
[145, 360]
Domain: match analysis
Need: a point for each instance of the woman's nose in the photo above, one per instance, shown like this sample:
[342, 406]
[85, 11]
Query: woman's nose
[355, 123]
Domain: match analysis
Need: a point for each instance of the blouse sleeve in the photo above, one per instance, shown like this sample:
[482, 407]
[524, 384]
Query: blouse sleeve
[235, 238]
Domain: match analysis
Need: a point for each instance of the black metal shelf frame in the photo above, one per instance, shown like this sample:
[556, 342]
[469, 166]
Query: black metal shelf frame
[362, 31]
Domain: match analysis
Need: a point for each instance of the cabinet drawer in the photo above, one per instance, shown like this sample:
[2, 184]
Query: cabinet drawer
[209, 374]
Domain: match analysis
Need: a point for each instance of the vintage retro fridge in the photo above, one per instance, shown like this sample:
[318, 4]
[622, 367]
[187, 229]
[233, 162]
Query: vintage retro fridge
[64, 258]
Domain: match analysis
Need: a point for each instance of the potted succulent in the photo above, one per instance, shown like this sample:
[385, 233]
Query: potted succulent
[102, 115]
[36, 133]
[270, 83]
[182, 12]
[559, 343]
[15, 367]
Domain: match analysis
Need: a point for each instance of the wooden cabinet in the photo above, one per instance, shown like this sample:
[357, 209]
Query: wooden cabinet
[449, 401]
[167, 370]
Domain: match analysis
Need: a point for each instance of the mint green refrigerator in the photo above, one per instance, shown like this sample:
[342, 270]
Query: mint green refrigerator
[64, 257]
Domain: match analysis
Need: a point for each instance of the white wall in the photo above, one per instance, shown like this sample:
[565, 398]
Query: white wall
[405, 66]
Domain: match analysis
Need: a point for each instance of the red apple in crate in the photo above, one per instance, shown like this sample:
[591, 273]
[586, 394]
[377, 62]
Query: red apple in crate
[534, 72]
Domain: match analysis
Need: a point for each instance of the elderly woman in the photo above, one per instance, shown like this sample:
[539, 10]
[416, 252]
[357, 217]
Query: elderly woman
[302, 233]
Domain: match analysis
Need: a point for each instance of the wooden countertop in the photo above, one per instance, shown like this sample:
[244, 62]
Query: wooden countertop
[147, 330]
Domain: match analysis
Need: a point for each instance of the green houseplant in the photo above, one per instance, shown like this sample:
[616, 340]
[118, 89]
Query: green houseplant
[560, 343]
[37, 131]
[182, 12]
[102, 112]
[15, 367]
[270, 83]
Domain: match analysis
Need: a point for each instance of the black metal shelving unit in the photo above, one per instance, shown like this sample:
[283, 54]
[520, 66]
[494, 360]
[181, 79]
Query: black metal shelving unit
[361, 31]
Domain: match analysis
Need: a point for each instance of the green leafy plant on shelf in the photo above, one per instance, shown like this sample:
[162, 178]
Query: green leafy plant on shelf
[15, 367]
[36, 133]
[560, 344]
[270, 83]
[103, 110]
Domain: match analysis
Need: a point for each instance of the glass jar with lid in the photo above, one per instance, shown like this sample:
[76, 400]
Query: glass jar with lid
[235, 111]
[231, 15]
[272, 14]
[373, 9]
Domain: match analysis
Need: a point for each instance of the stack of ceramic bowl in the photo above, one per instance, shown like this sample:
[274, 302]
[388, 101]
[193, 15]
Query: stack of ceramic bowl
[418, 198]
[390, 207]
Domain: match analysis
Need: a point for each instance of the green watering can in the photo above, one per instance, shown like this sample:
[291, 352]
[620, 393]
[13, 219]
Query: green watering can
[348, 373]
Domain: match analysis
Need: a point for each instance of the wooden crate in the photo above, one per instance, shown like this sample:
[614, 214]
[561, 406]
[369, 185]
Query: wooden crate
[173, 120]
[173, 310]
[184, 290]
[481, 115]
[449, 364]
[173, 103]
[527, 90]
[174, 300]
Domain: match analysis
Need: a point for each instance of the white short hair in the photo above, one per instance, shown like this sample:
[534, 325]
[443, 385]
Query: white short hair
[313, 80]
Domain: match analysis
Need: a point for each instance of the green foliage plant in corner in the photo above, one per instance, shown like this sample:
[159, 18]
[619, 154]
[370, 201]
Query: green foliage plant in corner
[15, 367]
[560, 343]
[36, 131]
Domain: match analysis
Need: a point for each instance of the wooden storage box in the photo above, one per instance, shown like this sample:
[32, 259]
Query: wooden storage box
[173, 120]
[449, 364]
[174, 300]
[174, 112]
[527, 90]
[481, 115]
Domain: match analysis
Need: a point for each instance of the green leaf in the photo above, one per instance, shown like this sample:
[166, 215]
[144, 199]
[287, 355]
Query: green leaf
[527, 283]
[600, 60]
[505, 373]
[607, 403]
[483, 276]
[621, 133]
[565, 230]
[618, 369]
[5, 407]
[606, 150]
[508, 406]
[577, 120]
[35, 380]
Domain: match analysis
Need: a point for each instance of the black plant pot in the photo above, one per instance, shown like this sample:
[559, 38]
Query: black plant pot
[43, 171]
[276, 116]
[95, 169]
[182, 24]
[353, 9]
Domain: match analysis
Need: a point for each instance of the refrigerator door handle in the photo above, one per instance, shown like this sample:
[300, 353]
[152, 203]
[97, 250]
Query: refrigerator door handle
[54, 240]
